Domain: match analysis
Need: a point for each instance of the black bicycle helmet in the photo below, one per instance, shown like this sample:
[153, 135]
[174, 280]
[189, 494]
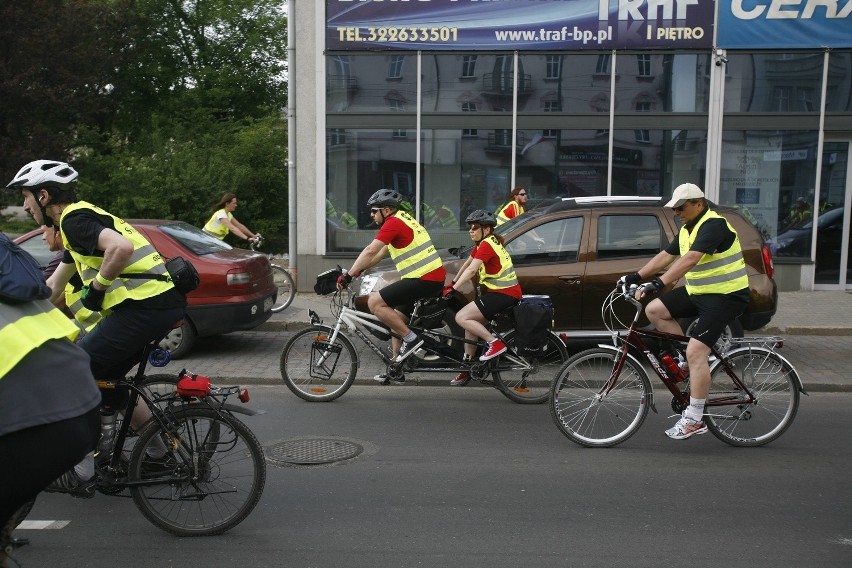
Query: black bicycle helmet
[482, 217]
[385, 198]
[42, 174]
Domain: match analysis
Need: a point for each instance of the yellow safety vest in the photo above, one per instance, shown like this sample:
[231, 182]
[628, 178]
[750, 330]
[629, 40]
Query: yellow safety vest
[502, 213]
[145, 259]
[448, 219]
[506, 278]
[218, 230]
[84, 316]
[420, 256]
[720, 273]
[25, 327]
[330, 211]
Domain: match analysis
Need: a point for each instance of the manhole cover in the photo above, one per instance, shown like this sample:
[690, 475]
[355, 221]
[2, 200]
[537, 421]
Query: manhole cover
[313, 451]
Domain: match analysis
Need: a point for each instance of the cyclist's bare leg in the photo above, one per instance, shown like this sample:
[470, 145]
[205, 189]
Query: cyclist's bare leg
[390, 317]
[697, 354]
[658, 314]
[471, 320]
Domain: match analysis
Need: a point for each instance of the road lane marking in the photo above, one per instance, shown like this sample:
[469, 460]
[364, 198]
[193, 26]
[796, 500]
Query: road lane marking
[42, 525]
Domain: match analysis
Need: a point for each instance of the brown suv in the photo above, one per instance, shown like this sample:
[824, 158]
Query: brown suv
[588, 244]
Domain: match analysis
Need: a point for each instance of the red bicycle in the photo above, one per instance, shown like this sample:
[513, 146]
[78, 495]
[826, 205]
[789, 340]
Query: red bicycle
[601, 396]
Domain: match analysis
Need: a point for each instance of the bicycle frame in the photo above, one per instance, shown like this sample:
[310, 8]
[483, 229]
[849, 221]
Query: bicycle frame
[354, 319]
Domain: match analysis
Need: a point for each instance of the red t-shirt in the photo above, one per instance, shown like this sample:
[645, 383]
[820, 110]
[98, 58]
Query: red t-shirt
[485, 252]
[396, 233]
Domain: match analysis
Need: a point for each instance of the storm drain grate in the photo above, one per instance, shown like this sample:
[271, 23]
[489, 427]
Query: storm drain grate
[313, 451]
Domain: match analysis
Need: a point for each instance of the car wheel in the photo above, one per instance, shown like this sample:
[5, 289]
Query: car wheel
[733, 329]
[180, 340]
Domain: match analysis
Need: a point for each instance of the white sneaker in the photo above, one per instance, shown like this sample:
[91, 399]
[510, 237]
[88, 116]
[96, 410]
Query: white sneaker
[686, 427]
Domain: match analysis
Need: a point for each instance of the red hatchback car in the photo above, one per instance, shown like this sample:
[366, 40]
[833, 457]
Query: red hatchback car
[236, 290]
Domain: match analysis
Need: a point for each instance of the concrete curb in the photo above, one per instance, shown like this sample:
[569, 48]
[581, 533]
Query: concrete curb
[659, 388]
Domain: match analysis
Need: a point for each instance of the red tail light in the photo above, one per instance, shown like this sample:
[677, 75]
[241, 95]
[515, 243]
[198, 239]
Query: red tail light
[244, 396]
[767, 261]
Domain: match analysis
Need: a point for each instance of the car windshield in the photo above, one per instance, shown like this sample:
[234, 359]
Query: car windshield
[194, 238]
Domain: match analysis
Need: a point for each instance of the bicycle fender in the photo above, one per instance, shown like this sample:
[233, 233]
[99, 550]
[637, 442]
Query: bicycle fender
[616, 350]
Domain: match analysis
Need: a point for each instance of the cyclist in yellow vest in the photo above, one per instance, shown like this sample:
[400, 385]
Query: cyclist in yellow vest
[223, 221]
[517, 199]
[708, 254]
[105, 252]
[492, 263]
[421, 270]
[49, 405]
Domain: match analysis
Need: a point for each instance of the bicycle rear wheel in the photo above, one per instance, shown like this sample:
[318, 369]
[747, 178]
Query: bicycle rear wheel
[774, 384]
[316, 370]
[589, 417]
[212, 475]
[286, 288]
[528, 382]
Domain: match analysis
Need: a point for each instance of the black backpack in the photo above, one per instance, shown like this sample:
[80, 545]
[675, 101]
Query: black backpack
[533, 322]
[21, 278]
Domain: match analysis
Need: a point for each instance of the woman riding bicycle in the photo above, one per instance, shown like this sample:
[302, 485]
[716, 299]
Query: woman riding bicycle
[223, 221]
[494, 265]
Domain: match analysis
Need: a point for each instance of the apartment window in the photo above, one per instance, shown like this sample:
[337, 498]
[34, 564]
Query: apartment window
[602, 67]
[468, 106]
[553, 67]
[468, 66]
[399, 133]
[336, 136]
[806, 99]
[643, 62]
[395, 67]
[642, 136]
[781, 98]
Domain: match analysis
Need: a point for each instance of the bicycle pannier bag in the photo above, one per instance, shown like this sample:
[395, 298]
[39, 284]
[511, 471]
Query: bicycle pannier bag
[21, 278]
[190, 384]
[327, 281]
[429, 313]
[533, 322]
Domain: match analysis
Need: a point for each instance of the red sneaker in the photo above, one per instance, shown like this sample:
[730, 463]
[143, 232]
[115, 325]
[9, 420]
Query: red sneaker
[461, 379]
[495, 348]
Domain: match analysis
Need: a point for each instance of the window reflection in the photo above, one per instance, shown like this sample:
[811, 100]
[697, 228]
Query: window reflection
[773, 82]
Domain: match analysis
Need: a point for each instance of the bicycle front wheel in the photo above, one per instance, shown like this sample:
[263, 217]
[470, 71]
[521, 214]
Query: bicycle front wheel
[286, 288]
[526, 380]
[210, 479]
[773, 383]
[586, 414]
[315, 369]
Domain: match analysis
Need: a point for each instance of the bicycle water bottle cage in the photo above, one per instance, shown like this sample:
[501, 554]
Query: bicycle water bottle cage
[190, 384]
[159, 357]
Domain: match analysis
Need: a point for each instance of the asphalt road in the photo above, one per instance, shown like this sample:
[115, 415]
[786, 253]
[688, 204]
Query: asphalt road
[463, 477]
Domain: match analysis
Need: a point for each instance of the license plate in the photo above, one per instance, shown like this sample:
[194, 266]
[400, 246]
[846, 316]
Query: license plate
[267, 304]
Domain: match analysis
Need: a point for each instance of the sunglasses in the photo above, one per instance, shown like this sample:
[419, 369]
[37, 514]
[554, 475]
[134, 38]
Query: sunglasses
[521, 194]
[680, 208]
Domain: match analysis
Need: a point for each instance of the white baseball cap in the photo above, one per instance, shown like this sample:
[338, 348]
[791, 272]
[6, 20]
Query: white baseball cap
[683, 193]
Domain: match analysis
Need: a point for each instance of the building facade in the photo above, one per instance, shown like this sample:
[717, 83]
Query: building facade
[455, 102]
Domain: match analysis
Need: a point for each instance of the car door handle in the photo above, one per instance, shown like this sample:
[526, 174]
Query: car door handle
[570, 279]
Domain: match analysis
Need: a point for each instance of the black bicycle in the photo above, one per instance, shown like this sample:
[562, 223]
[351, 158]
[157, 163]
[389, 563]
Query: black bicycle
[213, 472]
[320, 363]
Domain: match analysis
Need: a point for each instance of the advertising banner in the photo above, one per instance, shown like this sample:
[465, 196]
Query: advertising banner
[508, 25]
[778, 24]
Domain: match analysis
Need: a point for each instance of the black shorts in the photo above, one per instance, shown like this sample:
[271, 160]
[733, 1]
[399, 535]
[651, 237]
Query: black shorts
[714, 311]
[401, 295]
[493, 303]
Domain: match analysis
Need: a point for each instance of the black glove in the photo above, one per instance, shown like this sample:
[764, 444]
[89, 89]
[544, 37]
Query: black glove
[652, 287]
[344, 280]
[92, 298]
[629, 279]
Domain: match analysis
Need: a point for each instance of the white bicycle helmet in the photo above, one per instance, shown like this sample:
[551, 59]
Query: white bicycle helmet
[44, 173]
